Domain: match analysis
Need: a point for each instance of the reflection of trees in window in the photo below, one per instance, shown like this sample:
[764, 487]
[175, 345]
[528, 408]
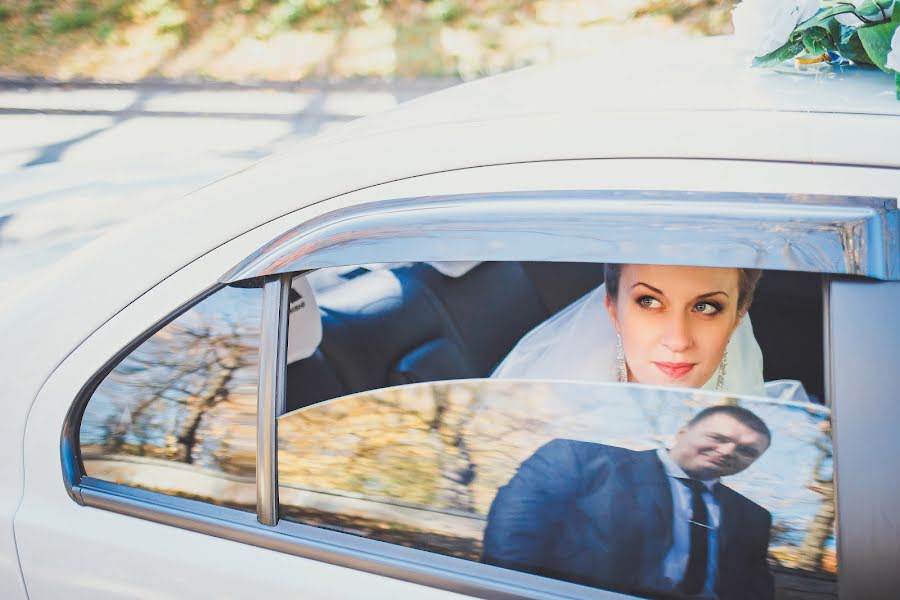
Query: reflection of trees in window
[393, 464]
[404, 446]
[416, 466]
[812, 553]
[186, 395]
[455, 468]
[189, 371]
[437, 446]
[800, 491]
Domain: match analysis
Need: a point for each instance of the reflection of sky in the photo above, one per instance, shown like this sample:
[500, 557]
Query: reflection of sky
[230, 305]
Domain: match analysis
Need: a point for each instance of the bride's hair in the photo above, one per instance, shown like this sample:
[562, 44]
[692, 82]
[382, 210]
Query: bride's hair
[747, 280]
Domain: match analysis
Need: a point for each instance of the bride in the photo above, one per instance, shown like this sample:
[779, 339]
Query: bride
[651, 324]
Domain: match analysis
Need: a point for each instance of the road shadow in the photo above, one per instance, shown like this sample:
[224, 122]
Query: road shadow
[54, 152]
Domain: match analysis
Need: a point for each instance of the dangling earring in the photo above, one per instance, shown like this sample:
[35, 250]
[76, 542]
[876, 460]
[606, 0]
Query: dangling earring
[723, 367]
[621, 369]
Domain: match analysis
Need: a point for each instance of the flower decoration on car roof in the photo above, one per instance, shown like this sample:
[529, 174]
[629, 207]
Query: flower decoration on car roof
[832, 31]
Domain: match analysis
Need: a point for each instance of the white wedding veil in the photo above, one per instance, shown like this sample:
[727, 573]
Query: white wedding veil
[579, 343]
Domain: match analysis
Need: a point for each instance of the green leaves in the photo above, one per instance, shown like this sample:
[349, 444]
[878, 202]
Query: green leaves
[851, 48]
[864, 38]
[786, 52]
[874, 10]
[816, 40]
[865, 44]
[876, 39]
[820, 18]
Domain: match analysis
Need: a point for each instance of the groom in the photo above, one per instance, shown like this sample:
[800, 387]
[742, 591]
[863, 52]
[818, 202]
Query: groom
[648, 522]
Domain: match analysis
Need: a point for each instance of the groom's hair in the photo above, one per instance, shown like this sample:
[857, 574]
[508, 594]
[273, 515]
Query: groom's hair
[747, 280]
[738, 413]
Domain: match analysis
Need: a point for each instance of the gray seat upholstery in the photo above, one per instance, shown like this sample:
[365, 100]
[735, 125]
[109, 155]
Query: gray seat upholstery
[413, 324]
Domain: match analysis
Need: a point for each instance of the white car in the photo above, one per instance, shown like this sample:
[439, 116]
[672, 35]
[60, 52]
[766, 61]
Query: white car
[165, 429]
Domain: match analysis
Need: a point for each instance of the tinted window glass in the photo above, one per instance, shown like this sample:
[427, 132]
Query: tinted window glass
[577, 481]
[178, 414]
[368, 327]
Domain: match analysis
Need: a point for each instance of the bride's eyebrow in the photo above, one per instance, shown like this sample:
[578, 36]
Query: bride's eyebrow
[658, 291]
[661, 293]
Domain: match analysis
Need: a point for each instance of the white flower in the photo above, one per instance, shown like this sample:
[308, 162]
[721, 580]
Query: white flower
[893, 57]
[851, 20]
[763, 26]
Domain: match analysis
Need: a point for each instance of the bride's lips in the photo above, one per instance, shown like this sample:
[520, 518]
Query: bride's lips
[675, 370]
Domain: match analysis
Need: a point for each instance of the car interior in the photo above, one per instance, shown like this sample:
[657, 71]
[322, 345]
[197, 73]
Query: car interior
[411, 323]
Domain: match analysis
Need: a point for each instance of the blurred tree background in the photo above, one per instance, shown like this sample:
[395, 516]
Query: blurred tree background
[295, 39]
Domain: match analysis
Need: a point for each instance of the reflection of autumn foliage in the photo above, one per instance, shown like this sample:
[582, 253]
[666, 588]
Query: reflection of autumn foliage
[420, 465]
[442, 446]
[394, 533]
[347, 445]
[814, 554]
[187, 394]
[829, 561]
[789, 557]
[812, 551]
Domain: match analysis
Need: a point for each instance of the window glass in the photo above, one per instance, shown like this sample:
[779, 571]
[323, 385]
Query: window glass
[178, 414]
[587, 482]
[421, 395]
[368, 327]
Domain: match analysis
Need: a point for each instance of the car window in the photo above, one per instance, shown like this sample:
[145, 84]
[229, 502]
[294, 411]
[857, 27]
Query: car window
[410, 419]
[374, 326]
[178, 414]
[577, 481]
[371, 448]
[368, 327]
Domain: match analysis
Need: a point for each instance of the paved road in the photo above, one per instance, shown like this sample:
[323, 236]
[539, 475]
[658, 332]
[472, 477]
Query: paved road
[43, 124]
[76, 160]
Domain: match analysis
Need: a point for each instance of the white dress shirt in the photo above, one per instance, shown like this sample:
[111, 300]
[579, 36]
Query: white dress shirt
[675, 563]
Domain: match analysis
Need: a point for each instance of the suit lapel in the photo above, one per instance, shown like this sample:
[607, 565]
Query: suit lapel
[654, 497]
[626, 517]
[730, 517]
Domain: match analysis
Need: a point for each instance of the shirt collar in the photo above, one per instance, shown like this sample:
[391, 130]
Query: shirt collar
[673, 470]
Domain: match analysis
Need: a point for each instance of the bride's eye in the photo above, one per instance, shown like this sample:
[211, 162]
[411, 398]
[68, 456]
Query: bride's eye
[707, 308]
[648, 302]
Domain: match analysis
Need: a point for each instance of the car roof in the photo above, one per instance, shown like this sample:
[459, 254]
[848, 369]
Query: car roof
[702, 75]
[699, 100]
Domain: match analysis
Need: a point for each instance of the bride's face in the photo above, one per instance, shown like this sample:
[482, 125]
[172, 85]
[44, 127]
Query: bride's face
[675, 322]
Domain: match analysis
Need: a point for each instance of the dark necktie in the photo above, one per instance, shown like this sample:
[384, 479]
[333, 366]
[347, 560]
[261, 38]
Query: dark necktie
[698, 558]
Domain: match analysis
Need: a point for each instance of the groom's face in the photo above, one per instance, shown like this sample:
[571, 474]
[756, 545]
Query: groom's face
[717, 446]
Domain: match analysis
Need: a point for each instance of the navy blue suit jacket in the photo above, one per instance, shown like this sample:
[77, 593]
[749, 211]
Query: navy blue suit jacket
[594, 514]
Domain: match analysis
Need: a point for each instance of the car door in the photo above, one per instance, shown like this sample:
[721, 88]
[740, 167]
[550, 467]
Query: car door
[72, 546]
[104, 532]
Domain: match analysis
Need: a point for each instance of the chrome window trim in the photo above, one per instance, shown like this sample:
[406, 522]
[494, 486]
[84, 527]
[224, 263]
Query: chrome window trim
[826, 340]
[340, 549]
[270, 394]
[794, 232]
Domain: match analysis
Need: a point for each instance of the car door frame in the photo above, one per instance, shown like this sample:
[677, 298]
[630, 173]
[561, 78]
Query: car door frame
[468, 578]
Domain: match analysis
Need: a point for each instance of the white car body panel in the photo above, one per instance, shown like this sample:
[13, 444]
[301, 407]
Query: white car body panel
[78, 552]
[100, 552]
[715, 127]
